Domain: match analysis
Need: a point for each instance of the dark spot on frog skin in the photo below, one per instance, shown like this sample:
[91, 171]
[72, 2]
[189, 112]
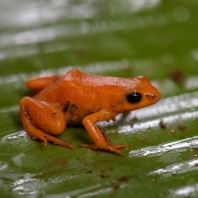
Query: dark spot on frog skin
[73, 108]
[26, 112]
[113, 105]
[75, 105]
[74, 118]
[54, 115]
[151, 96]
[91, 111]
[66, 106]
[105, 136]
[56, 79]
[121, 102]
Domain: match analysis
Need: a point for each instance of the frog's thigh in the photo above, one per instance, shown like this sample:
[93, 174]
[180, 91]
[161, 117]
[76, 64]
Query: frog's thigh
[39, 119]
[38, 83]
[44, 116]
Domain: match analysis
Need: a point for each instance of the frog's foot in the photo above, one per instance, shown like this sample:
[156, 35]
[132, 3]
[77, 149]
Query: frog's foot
[109, 147]
[45, 137]
[101, 141]
[48, 137]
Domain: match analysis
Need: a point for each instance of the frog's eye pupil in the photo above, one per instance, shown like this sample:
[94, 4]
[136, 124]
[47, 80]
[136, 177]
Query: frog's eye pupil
[134, 97]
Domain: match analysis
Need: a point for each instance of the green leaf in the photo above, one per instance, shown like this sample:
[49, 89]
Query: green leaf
[121, 38]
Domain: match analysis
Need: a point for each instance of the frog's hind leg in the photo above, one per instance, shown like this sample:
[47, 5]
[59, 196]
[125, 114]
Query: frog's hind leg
[41, 119]
[36, 84]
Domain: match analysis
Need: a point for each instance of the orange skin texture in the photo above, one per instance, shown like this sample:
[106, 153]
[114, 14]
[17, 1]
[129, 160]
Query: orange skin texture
[76, 98]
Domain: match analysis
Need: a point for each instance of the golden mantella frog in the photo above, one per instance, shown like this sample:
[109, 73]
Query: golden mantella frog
[76, 98]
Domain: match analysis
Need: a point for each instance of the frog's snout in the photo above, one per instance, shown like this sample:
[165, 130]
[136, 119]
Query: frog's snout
[153, 97]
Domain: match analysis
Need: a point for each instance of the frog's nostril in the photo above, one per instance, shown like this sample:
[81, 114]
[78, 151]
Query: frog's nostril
[152, 97]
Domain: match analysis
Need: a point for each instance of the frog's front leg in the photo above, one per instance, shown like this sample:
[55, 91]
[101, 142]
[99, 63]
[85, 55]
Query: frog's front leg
[96, 135]
[41, 119]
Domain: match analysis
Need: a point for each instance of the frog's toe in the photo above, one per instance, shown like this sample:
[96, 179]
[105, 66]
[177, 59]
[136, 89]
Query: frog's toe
[113, 148]
[109, 147]
[119, 146]
[59, 142]
[45, 137]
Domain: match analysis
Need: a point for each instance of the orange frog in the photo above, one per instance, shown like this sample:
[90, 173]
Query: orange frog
[76, 98]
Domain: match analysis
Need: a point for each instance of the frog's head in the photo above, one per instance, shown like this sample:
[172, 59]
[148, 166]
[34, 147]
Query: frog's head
[141, 94]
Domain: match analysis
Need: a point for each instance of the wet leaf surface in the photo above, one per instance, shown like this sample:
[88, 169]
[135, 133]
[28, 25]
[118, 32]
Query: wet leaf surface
[121, 38]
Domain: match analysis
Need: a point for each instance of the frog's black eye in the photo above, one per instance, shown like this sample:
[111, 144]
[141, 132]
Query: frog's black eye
[134, 97]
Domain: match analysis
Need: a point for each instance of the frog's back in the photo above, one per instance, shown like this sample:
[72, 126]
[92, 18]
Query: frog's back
[77, 86]
[89, 80]
[70, 85]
